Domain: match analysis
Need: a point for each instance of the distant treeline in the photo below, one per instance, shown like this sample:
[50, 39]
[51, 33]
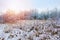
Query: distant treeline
[44, 15]
[30, 15]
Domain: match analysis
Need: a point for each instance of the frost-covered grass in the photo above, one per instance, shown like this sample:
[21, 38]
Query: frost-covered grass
[30, 30]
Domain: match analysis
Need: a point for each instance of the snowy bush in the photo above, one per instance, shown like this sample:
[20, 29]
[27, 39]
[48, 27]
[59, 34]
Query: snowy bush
[30, 30]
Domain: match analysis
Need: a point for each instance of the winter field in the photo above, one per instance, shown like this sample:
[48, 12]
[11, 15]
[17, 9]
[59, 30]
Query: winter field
[31, 30]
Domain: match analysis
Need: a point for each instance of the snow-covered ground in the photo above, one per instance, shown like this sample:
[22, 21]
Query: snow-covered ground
[30, 30]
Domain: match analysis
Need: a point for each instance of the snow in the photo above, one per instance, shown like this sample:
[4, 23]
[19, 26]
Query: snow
[29, 30]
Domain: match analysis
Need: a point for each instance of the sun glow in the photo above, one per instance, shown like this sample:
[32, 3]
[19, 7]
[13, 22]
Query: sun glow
[14, 5]
[17, 5]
